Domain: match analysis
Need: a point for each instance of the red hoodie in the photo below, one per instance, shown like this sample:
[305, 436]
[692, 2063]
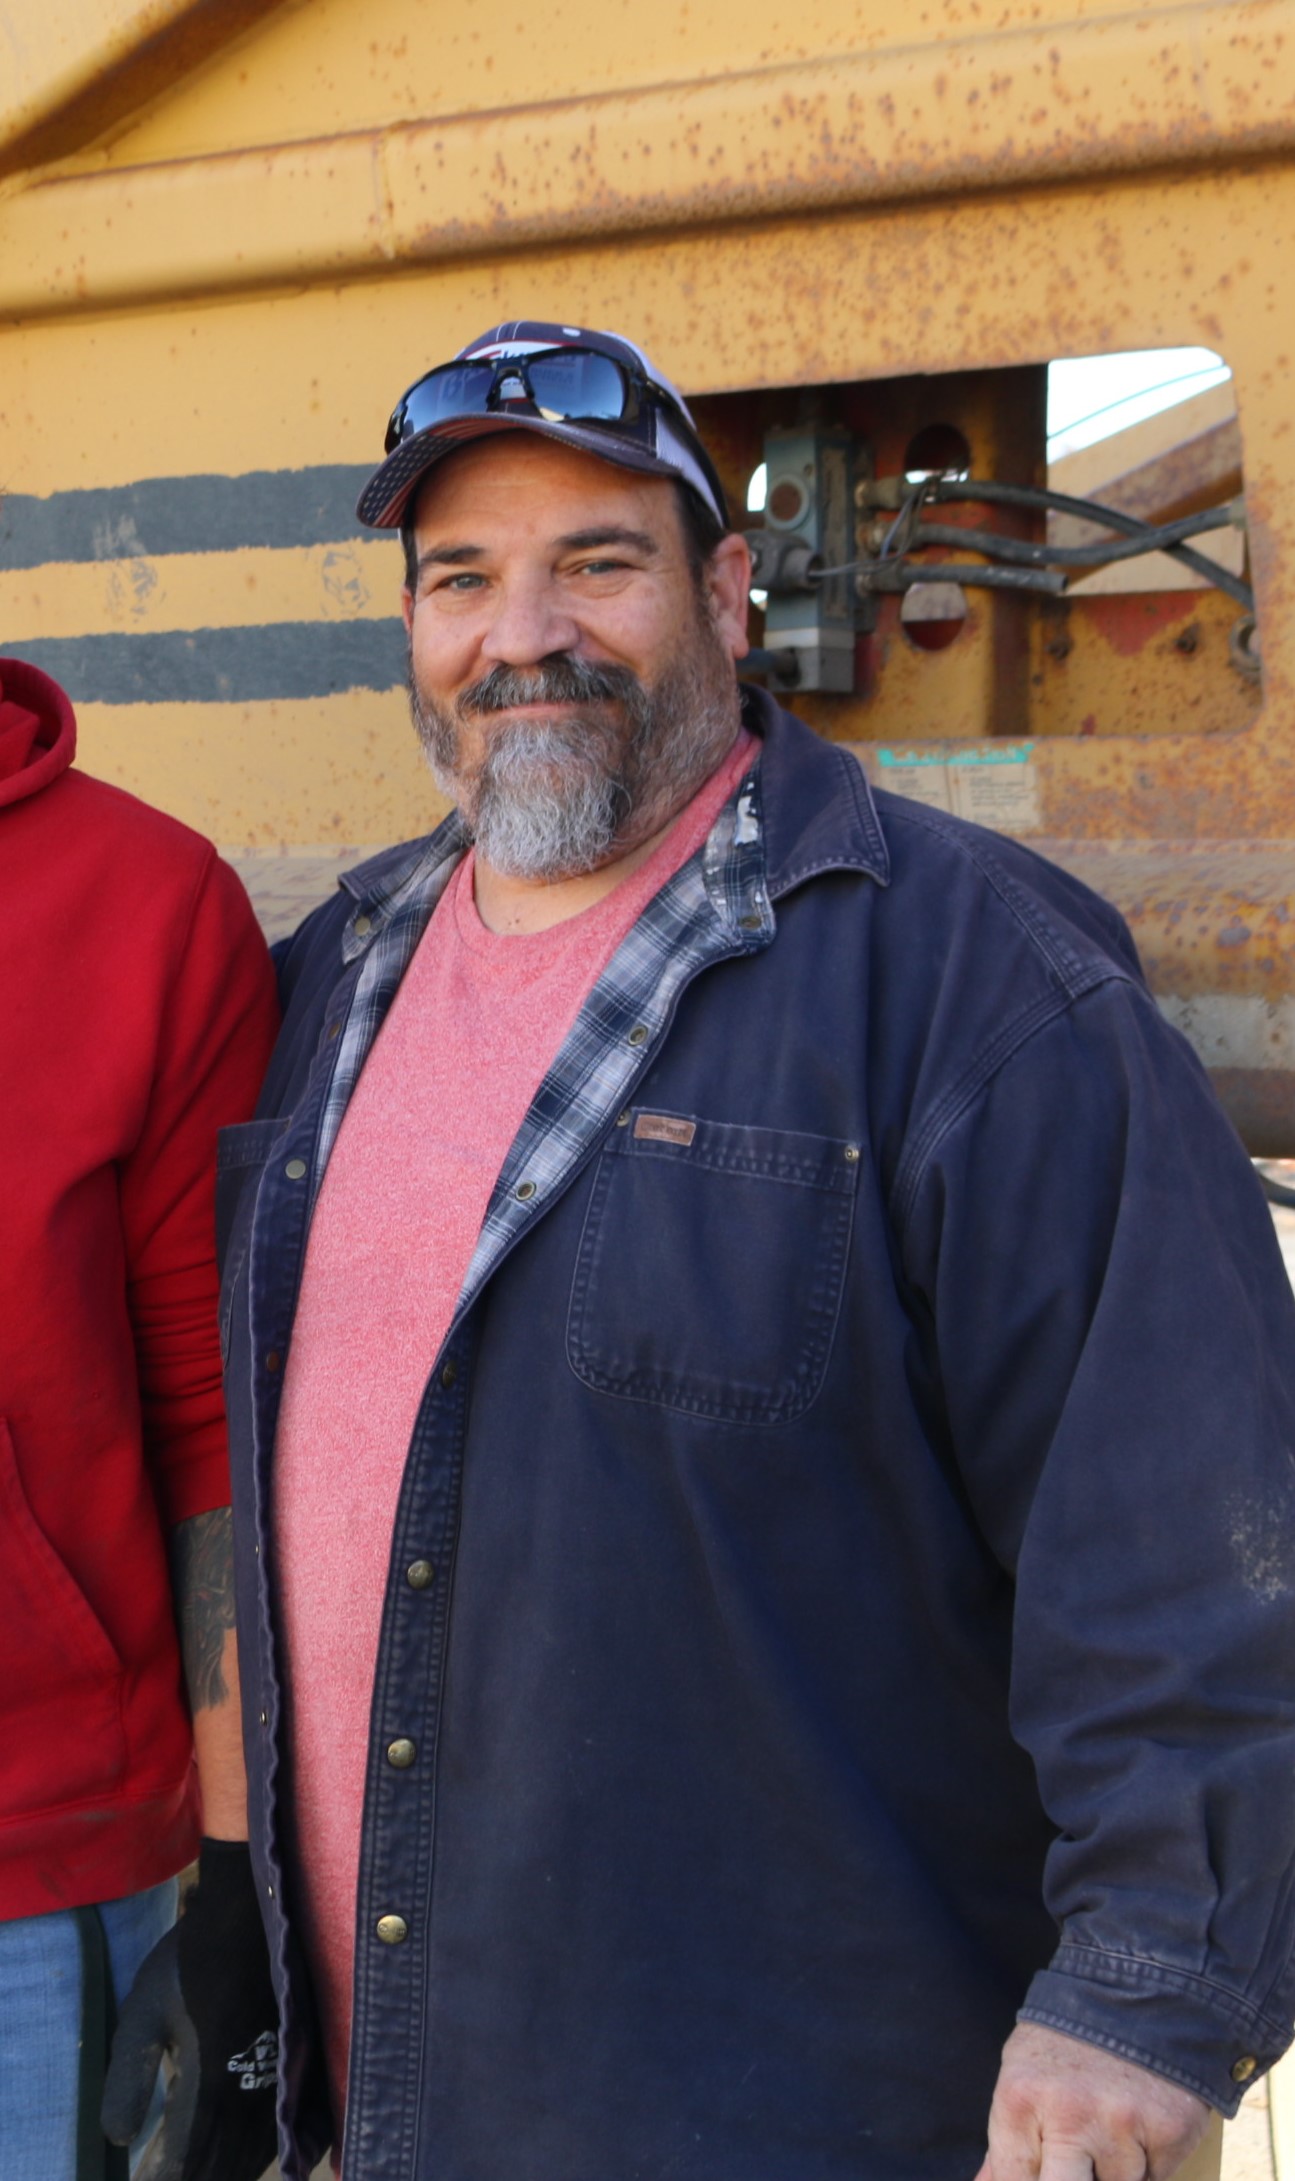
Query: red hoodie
[136, 1015]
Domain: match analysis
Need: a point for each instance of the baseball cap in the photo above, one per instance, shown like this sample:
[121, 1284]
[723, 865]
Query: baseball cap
[591, 390]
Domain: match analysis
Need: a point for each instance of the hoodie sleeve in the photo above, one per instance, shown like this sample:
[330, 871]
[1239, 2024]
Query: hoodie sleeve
[215, 1039]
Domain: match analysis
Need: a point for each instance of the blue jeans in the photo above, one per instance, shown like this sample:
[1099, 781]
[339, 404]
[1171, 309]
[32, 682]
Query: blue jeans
[48, 2109]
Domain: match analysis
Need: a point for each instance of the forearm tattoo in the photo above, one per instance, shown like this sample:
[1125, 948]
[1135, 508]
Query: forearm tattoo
[202, 1579]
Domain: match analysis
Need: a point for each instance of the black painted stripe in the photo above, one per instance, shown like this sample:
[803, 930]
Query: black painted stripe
[184, 515]
[281, 659]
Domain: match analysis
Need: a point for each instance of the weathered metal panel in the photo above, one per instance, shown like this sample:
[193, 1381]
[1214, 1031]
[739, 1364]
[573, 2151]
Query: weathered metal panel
[74, 67]
[206, 309]
[1089, 97]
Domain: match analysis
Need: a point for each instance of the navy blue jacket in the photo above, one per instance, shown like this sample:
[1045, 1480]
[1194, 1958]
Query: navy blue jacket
[843, 1590]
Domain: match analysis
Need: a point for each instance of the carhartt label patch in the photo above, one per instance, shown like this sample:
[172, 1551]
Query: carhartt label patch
[663, 1128]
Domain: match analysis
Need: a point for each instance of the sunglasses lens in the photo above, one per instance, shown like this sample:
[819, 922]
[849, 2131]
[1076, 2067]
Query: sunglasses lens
[458, 390]
[572, 382]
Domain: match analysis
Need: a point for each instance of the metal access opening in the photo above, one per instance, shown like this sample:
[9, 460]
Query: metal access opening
[1050, 550]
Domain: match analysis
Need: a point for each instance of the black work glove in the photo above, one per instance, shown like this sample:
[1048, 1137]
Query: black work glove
[204, 1997]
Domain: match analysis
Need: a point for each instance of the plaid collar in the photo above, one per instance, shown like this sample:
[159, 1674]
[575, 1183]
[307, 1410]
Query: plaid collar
[720, 903]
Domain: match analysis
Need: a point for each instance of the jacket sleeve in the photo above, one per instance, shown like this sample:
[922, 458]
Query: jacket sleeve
[217, 1028]
[1115, 1337]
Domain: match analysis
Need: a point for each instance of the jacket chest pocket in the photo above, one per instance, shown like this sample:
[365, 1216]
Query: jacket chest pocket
[711, 1265]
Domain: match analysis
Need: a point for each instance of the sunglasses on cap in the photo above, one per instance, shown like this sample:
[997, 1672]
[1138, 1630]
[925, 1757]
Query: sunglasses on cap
[558, 385]
[583, 387]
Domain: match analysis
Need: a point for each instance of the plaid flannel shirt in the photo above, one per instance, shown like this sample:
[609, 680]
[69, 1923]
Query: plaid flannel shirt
[717, 903]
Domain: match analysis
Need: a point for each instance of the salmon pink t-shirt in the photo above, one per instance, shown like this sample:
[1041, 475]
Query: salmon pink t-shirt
[473, 1029]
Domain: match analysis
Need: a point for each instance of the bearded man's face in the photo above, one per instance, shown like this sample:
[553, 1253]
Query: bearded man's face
[571, 680]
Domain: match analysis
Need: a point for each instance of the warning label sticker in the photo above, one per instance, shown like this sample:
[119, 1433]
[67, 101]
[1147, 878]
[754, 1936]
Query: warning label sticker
[998, 788]
[925, 779]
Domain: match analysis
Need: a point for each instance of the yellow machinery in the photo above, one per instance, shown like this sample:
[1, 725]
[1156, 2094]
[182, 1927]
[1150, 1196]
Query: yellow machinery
[230, 234]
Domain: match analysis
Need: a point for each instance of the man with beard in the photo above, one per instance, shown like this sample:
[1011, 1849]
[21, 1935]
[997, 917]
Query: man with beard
[755, 1578]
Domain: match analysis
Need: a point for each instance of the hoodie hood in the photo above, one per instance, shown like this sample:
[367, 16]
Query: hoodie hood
[37, 731]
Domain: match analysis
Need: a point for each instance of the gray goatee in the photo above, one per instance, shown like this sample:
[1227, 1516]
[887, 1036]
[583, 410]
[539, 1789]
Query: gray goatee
[552, 798]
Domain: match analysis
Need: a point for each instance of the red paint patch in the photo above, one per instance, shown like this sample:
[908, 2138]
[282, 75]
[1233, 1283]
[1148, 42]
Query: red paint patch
[1128, 623]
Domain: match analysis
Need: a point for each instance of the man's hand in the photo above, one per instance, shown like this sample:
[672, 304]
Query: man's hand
[1065, 2110]
[204, 1997]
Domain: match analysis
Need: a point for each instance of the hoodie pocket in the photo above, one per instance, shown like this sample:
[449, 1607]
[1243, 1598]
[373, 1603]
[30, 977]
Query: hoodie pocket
[60, 1701]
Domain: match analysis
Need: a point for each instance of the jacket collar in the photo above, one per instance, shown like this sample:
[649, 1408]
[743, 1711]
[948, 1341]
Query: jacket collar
[816, 805]
[375, 883]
